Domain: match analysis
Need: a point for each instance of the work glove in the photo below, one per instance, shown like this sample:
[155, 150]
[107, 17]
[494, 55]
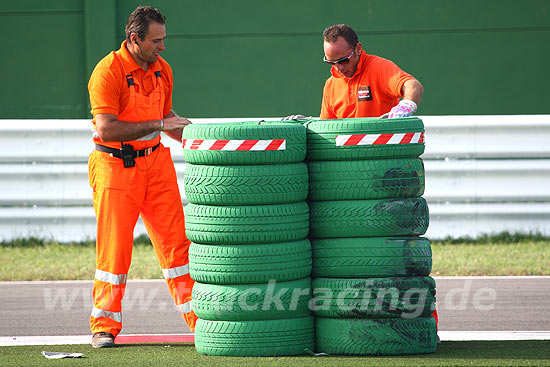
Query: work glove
[405, 108]
[293, 117]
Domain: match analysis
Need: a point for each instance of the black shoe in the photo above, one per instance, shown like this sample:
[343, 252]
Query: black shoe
[103, 340]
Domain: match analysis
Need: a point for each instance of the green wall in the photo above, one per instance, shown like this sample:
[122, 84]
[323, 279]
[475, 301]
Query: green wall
[250, 58]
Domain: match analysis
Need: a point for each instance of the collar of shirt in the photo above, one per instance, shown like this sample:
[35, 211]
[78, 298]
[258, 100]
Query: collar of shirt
[360, 66]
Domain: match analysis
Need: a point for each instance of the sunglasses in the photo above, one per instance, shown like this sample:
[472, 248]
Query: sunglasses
[342, 61]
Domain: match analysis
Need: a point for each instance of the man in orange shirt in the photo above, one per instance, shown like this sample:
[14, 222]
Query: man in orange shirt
[132, 173]
[364, 85]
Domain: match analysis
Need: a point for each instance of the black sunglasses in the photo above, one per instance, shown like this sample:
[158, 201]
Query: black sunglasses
[342, 61]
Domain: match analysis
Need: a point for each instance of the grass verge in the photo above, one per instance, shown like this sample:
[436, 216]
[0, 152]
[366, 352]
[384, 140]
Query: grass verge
[504, 254]
[493, 353]
[520, 258]
[35, 259]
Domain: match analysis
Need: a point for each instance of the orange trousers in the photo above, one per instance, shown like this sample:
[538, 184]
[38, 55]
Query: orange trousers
[121, 195]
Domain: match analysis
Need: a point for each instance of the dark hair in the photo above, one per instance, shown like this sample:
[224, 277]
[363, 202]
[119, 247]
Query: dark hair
[332, 33]
[139, 20]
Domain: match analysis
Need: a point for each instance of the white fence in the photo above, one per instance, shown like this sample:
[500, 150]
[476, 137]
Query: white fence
[484, 174]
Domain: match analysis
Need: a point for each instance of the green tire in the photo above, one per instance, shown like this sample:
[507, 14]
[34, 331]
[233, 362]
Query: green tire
[247, 224]
[376, 336]
[246, 264]
[406, 297]
[321, 138]
[366, 179]
[368, 218]
[294, 147]
[371, 257]
[246, 185]
[265, 338]
[246, 302]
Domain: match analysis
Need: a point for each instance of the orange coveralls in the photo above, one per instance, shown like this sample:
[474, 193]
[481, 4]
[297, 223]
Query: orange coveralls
[373, 90]
[149, 189]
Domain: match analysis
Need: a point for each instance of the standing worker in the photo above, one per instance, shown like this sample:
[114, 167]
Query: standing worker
[132, 173]
[364, 85]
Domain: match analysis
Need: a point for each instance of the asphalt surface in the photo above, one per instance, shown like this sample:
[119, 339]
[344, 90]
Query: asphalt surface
[463, 304]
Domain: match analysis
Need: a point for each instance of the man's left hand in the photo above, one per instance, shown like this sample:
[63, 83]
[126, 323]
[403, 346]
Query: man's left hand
[293, 117]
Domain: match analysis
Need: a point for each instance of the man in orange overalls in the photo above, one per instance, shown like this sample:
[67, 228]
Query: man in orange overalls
[132, 173]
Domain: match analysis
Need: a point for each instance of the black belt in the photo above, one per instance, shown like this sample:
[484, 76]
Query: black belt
[117, 153]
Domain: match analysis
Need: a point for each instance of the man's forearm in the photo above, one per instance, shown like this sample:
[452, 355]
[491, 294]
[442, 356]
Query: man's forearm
[413, 90]
[110, 129]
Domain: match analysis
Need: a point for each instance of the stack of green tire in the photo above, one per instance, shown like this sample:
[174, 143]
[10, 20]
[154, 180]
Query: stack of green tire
[372, 294]
[248, 222]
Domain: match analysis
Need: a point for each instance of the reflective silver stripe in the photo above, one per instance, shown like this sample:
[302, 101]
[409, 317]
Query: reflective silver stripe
[116, 316]
[186, 307]
[151, 136]
[107, 277]
[176, 272]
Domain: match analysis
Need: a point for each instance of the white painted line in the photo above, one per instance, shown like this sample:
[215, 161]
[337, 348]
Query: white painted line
[493, 335]
[6, 341]
[44, 340]
[444, 335]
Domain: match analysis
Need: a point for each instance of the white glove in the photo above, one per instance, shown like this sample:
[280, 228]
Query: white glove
[293, 117]
[405, 108]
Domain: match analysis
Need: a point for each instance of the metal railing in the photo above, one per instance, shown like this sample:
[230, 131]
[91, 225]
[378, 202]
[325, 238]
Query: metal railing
[484, 174]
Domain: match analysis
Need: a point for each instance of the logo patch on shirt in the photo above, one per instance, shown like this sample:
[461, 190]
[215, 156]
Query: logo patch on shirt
[364, 94]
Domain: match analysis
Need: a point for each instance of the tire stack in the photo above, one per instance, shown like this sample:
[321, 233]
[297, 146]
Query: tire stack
[371, 291]
[248, 222]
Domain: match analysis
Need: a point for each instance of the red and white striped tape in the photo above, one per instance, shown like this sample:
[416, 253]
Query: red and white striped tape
[243, 145]
[377, 139]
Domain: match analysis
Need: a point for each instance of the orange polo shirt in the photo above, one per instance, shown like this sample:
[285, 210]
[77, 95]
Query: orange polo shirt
[108, 87]
[372, 91]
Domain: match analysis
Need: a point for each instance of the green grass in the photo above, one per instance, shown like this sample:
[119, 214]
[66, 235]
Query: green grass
[36, 259]
[495, 353]
[521, 258]
[504, 254]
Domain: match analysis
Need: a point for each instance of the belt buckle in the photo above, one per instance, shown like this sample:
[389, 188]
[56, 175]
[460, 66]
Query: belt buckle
[148, 151]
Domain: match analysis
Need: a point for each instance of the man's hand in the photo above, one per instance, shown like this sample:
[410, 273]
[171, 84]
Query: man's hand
[293, 117]
[405, 108]
[175, 122]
